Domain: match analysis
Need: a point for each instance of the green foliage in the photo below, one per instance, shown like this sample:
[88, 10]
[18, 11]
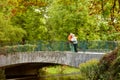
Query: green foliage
[109, 66]
[89, 69]
[67, 16]
[9, 32]
[59, 72]
[34, 26]
[18, 48]
[2, 74]
[55, 19]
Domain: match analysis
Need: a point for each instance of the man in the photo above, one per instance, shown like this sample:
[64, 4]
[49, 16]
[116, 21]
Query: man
[74, 41]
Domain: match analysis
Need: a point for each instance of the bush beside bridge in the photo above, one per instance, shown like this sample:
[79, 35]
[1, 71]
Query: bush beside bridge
[17, 48]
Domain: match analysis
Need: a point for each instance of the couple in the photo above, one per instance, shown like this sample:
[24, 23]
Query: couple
[73, 42]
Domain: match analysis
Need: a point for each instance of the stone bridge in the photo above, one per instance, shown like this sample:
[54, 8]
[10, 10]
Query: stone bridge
[27, 63]
[65, 58]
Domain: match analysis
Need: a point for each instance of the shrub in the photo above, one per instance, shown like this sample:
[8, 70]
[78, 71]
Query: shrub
[109, 66]
[2, 75]
[18, 48]
[89, 69]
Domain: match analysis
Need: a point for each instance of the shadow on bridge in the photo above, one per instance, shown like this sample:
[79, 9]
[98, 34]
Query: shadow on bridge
[25, 71]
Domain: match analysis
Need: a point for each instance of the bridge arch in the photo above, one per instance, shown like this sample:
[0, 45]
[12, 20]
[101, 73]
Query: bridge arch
[23, 70]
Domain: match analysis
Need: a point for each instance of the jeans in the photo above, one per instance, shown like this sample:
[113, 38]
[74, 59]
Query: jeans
[75, 47]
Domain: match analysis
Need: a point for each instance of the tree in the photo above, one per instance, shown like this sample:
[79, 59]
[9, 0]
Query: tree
[65, 16]
[108, 10]
[55, 19]
[8, 32]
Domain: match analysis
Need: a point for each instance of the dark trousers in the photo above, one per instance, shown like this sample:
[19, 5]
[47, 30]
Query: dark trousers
[75, 47]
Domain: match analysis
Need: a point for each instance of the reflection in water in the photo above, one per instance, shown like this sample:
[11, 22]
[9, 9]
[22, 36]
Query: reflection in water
[70, 76]
[54, 73]
[61, 72]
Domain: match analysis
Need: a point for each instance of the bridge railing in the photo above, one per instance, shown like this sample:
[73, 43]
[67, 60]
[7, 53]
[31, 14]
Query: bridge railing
[95, 46]
[98, 46]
